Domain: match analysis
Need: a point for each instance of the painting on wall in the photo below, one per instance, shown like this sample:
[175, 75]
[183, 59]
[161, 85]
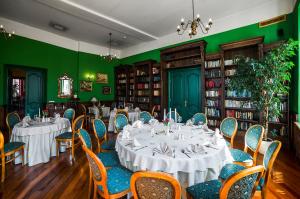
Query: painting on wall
[106, 90]
[86, 86]
[101, 78]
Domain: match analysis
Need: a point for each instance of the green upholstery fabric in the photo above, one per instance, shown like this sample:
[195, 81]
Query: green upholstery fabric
[79, 124]
[12, 146]
[205, 190]
[13, 119]
[118, 180]
[108, 145]
[145, 116]
[100, 128]
[227, 143]
[260, 184]
[230, 169]
[66, 135]
[240, 156]
[69, 113]
[227, 127]
[86, 138]
[253, 137]
[121, 122]
[109, 159]
[199, 117]
[269, 153]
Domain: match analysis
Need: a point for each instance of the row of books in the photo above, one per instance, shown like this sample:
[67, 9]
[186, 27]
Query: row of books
[213, 123]
[212, 64]
[122, 81]
[213, 83]
[155, 71]
[240, 114]
[142, 86]
[230, 72]
[212, 93]
[157, 85]
[143, 79]
[238, 104]
[244, 125]
[141, 73]
[234, 93]
[156, 78]
[212, 73]
[213, 103]
[143, 99]
[156, 92]
[212, 112]
[122, 99]
[143, 92]
[122, 75]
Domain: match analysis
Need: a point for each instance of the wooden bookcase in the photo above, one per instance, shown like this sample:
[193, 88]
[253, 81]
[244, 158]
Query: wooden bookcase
[236, 104]
[214, 86]
[156, 87]
[121, 85]
[131, 85]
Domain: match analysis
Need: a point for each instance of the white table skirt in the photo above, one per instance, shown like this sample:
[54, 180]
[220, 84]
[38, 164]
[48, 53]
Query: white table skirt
[39, 140]
[188, 171]
[132, 117]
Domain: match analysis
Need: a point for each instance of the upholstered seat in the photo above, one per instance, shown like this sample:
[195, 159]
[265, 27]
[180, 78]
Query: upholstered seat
[260, 184]
[109, 159]
[108, 145]
[199, 117]
[205, 190]
[120, 122]
[228, 128]
[230, 169]
[118, 180]
[145, 116]
[11, 146]
[66, 135]
[241, 156]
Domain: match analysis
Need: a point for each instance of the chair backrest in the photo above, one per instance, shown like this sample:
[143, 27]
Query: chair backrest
[200, 117]
[11, 120]
[85, 138]
[98, 171]
[69, 114]
[269, 159]
[229, 128]
[78, 123]
[146, 116]
[253, 137]
[82, 109]
[120, 122]
[152, 185]
[153, 110]
[1, 143]
[122, 111]
[242, 184]
[99, 129]
[173, 115]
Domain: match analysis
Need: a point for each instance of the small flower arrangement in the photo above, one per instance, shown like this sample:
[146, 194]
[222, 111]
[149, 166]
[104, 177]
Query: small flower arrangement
[45, 112]
[166, 122]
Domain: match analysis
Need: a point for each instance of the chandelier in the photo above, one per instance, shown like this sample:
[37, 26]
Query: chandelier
[5, 32]
[109, 57]
[193, 24]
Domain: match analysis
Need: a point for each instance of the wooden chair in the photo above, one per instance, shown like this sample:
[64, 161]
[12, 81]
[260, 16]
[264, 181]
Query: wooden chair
[253, 139]
[111, 183]
[109, 159]
[122, 111]
[228, 128]
[145, 116]
[11, 120]
[120, 122]
[153, 113]
[83, 111]
[8, 150]
[199, 117]
[69, 114]
[152, 185]
[70, 136]
[100, 133]
[240, 185]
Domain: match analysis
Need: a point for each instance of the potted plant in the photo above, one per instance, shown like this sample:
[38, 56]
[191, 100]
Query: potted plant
[267, 79]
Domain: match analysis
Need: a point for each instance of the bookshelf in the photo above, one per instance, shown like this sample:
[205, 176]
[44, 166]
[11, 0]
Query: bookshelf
[238, 104]
[121, 81]
[131, 85]
[156, 89]
[213, 81]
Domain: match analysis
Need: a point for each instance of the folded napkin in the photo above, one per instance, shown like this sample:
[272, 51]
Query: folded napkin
[163, 149]
[189, 123]
[137, 109]
[126, 132]
[57, 115]
[153, 121]
[135, 143]
[205, 128]
[26, 119]
[115, 109]
[137, 124]
[25, 124]
[194, 148]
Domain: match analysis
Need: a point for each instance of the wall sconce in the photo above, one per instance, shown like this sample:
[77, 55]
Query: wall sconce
[90, 77]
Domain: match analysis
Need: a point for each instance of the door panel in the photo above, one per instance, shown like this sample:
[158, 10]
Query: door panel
[34, 92]
[184, 91]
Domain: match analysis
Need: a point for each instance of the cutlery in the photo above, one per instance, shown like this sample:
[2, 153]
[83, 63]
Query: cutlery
[208, 146]
[185, 153]
[174, 156]
[140, 148]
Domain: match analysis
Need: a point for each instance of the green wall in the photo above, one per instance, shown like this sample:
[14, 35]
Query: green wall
[57, 61]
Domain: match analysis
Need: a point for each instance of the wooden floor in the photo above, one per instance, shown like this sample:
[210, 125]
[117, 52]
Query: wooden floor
[61, 179]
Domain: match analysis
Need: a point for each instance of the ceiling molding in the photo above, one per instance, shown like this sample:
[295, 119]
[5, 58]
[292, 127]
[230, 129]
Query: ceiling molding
[267, 10]
[98, 18]
[54, 39]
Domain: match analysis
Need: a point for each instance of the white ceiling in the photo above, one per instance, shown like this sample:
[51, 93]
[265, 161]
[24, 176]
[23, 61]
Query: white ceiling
[141, 21]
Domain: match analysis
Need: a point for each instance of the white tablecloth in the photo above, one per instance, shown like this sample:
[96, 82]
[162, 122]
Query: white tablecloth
[39, 140]
[132, 117]
[95, 111]
[189, 171]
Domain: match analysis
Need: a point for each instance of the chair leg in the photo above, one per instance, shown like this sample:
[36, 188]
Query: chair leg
[95, 192]
[57, 149]
[3, 168]
[90, 184]
[23, 158]
[73, 150]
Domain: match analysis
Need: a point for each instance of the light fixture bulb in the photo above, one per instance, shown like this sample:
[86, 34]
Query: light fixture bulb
[182, 20]
[1, 26]
[13, 32]
[198, 16]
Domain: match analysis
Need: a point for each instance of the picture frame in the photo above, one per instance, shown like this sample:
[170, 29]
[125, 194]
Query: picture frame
[86, 86]
[101, 78]
[106, 90]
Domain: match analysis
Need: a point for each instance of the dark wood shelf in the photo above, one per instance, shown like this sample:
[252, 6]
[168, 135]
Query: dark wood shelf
[278, 123]
[238, 98]
[182, 57]
[241, 109]
[246, 120]
[213, 77]
[213, 68]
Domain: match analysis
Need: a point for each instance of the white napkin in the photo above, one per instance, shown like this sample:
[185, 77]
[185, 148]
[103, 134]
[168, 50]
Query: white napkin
[26, 119]
[163, 149]
[126, 108]
[205, 128]
[115, 109]
[137, 124]
[24, 124]
[57, 115]
[195, 148]
[137, 109]
[135, 143]
[125, 134]
[189, 123]
[153, 121]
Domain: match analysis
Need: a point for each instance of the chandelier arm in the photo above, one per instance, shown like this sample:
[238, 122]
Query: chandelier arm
[193, 9]
[203, 30]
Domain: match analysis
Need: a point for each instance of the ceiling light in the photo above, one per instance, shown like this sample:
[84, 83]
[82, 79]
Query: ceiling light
[109, 57]
[58, 27]
[193, 24]
[5, 32]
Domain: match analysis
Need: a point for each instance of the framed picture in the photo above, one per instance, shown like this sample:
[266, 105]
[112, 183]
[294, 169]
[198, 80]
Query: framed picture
[106, 90]
[101, 78]
[86, 86]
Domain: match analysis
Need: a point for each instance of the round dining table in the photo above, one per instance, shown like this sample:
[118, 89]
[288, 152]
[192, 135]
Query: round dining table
[39, 139]
[188, 168]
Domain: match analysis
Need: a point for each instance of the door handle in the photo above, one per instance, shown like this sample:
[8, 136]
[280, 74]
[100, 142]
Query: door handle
[185, 103]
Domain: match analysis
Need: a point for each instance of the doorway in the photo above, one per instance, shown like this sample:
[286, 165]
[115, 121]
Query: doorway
[184, 91]
[25, 90]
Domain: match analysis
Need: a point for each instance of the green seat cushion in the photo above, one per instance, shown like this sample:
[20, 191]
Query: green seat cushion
[240, 156]
[205, 190]
[66, 135]
[108, 145]
[12, 146]
[260, 184]
[118, 180]
[230, 169]
[109, 159]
